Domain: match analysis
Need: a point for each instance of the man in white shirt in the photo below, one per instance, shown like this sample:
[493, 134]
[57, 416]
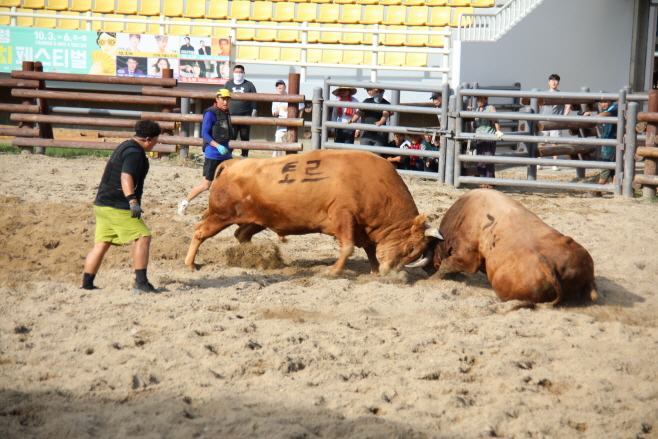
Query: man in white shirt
[280, 109]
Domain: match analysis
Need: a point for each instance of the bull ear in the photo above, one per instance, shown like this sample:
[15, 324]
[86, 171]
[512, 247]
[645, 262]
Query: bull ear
[419, 223]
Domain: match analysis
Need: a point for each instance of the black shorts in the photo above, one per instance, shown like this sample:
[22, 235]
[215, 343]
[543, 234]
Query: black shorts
[209, 168]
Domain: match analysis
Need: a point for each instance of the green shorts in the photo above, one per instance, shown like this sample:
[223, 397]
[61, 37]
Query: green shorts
[117, 227]
[606, 174]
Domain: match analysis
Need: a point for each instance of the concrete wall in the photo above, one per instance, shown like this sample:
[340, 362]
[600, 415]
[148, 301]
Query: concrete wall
[586, 42]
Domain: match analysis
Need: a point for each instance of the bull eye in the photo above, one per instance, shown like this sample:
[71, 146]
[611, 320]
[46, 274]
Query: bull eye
[412, 249]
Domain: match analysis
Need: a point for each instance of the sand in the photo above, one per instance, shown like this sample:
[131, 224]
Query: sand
[262, 342]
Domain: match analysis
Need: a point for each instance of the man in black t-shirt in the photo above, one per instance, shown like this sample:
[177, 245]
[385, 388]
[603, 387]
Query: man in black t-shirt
[117, 206]
[373, 117]
[187, 48]
[241, 108]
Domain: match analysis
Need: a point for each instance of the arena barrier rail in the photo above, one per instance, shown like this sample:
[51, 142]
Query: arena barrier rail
[648, 181]
[29, 85]
[304, 29]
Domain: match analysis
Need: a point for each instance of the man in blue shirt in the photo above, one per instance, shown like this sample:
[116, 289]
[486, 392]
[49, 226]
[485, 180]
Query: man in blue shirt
[216, 130]
[608, 108]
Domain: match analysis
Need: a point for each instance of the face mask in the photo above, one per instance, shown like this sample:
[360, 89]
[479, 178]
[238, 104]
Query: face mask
[378, 97]
[238, 78]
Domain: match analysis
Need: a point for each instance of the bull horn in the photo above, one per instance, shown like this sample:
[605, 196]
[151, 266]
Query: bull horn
[433, 233]
[427, 257]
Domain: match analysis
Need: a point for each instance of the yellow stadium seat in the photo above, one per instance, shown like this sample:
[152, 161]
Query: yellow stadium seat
[247, 52]
[395, 39]
[313, 55]
[284, 11]
[416, 59]
[344, 2]
[113, 26]
[466, 21]
[135, 28]
[277, 0]
[266, 34]
[217, 9]
[374, 14]
[436, 40]
[313, 35]
[299, 1]
[221, 32]
[483, 3]
[367, 58]
[367, 37]
[127, 7]
[173, 8]
[367, 2]
[270, 53]
[103, 6]
[34, 4]
[58, 5]
[440, 16]
[390, 2]
[240, 10]
[177, 29]
[149, 7]
[68, 24]
[25, 21]
[262, 11]
[96, 26]
[306, 12]
[246, 34]
[417, 16]
[10, 3]
[289, 54]
[199, 30]
[393, 59]
[288, 36]
[395, 15]
[352, 37]
[459, 3]
[4, 19]
[195, 9]
[49, 23]
[330, 33]
[353, 57]
[414, 2]
[351, 14]
[328, 13]
[332, 56]
[418, 40]
[436, 2]
[322, 1]
[81, 6]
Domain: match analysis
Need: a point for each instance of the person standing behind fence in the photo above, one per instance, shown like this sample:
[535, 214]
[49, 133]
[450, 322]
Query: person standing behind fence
[397, 142]
[280, 109]
[608, 108]
[553, 110]
[431, 164]
[216, 130]
[486, 147]
[241, 108]
[344, 115]
[437, 100]
[373, 117]
[118, 206]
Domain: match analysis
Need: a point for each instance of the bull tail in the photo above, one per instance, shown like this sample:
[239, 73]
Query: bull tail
[206, 213]
[590, 290]
[225, 164]
[552, 277]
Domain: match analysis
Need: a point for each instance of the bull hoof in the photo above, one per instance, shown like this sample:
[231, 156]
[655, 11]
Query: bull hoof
[192, 266]
[335, 271]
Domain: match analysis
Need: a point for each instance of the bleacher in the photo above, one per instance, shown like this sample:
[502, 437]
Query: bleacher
[337, 22]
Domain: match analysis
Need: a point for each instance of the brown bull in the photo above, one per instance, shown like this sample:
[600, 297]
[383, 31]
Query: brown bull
[354, 196]
[522, 256]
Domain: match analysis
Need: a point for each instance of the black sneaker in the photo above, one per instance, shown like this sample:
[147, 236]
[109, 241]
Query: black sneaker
[144, 288]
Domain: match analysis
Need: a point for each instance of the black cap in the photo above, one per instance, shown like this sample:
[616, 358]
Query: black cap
[435, 95]
[279, 82]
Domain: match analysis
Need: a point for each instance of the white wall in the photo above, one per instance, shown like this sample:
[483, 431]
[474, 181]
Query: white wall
[586, 42]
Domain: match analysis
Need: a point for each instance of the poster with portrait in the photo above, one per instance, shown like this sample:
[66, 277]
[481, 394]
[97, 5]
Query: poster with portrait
[157, 64]
[131, 66]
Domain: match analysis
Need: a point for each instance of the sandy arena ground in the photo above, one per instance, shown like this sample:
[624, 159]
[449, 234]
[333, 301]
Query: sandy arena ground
[261, 342]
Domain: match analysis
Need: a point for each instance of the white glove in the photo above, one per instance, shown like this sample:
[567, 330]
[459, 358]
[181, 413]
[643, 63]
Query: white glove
[499, 134]
[254, 113]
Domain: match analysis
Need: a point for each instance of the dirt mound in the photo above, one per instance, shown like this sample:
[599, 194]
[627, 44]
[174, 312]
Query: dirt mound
[263, 256]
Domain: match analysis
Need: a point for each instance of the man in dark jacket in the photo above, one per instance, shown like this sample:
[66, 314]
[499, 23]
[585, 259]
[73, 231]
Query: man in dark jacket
[117, 206]
[241, 108]
[216, 130]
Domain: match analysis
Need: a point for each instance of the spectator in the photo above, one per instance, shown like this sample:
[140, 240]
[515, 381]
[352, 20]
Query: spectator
[216, 130]
[553, 110]
[280, 109]
[373, 117]
[486, 147]
[437, 100]
[344, 115]
[241, 108]
[397, 142]
[609, 152]
[187, 48]
[415, 163]
[431, 164]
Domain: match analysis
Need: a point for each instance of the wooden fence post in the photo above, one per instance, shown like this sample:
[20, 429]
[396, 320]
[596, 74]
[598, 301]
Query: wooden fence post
[293, 89]
[28, 66]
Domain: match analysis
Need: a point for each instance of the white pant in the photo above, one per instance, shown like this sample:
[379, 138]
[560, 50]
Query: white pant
[279, 137]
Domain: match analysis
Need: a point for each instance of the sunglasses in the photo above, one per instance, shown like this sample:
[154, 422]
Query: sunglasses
[111, 43]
